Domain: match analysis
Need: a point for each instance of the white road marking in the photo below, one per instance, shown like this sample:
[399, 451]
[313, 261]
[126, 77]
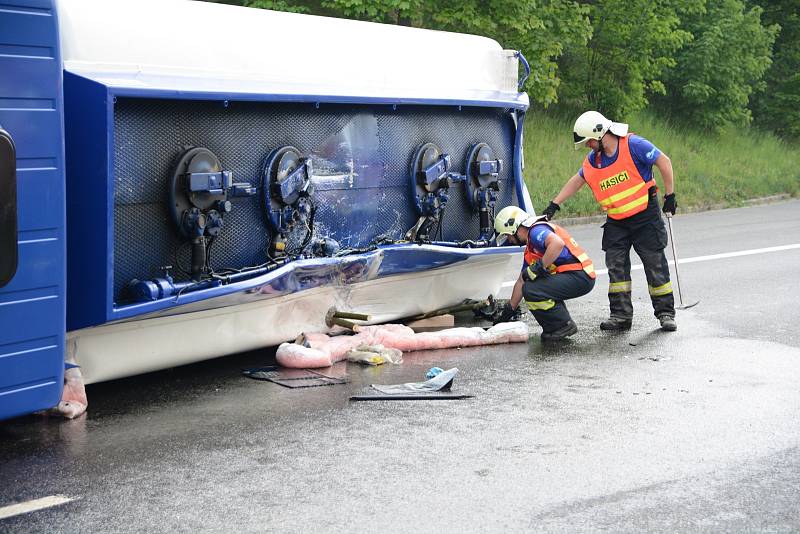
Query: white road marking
[696, 259]
[32, 506]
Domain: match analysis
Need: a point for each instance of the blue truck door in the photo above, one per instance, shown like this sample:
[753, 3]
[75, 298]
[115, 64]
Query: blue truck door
[32, 204]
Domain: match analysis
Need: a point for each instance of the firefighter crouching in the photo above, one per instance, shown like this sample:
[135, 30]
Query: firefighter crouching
[555, 269]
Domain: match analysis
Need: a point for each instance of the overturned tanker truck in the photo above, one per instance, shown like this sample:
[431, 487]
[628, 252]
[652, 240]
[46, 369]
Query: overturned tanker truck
[181, 180]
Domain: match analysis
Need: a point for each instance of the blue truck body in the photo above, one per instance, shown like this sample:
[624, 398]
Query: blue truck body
[33, 297]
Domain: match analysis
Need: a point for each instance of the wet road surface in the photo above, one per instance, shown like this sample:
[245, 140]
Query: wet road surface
[697, 430]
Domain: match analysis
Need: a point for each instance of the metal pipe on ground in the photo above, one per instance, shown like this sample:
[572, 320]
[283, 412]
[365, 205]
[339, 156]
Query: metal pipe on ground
[344, 323]
[344, 319]
[351, 315]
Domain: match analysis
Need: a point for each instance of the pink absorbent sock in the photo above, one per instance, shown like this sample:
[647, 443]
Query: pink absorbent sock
[325, 351]
[73, 398]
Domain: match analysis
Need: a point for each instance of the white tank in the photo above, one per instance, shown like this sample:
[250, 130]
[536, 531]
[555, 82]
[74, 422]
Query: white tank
[199, 46]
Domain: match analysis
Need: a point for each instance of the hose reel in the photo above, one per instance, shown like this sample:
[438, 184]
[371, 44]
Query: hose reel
[430, 181]
[199, 199]
[286, 195]
[483, 172]
[200, 194]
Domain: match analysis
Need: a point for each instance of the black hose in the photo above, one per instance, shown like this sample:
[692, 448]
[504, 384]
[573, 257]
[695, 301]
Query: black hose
[310, 227]
[181, 268]
[309, 234]
[210, 243]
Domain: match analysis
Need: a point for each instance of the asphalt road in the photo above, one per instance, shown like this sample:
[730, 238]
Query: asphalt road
[697, 430]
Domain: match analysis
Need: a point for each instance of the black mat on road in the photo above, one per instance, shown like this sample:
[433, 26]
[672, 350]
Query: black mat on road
[293, 378]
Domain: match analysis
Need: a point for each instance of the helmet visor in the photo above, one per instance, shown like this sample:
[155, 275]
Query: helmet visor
[501, 239]
[579, 140]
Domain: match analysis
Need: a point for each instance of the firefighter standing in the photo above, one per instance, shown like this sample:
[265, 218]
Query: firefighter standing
[555, 269]
[619, 171]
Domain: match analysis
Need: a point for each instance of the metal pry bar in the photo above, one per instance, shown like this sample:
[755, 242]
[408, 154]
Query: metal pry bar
[681, 306]
[468, 306]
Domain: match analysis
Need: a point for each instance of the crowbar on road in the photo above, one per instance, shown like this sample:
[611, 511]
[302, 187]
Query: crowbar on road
[682, 306]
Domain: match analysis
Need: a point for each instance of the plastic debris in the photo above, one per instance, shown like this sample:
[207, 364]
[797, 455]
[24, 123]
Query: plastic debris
[441, 382]
[374, 355]
[433, 371]
[437, 388]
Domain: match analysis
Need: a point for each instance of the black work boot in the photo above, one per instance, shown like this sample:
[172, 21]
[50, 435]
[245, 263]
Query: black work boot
[668, 323]
[561, 333]
[616, 323]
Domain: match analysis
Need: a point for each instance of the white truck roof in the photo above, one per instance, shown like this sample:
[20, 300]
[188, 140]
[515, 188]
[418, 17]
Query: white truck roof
[182, 45]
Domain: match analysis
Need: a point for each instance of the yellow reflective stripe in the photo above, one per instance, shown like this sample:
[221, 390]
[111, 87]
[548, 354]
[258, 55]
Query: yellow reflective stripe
[629, 206]
[660, 291]
[619, 287]
[531, 274]
[586, 263]
[619, 196]
[540, 305]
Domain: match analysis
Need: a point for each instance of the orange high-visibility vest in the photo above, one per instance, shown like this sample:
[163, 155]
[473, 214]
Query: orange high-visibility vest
[531, 256]
[619, 188]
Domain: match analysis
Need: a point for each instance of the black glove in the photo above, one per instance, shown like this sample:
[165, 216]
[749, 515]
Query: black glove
[670, 204]
[539, 269]
[532, 272]
[528, 275]
[550, 210]
[505, 314]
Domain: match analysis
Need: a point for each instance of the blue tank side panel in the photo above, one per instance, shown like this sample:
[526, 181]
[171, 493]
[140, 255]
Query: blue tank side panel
[523, 197]
[32, 305]
[90, 267]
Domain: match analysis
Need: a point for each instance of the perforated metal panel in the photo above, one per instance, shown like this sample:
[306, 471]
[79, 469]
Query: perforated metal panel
[361, 157]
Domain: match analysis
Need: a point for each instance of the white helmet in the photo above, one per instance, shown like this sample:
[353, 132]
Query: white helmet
[508, 220]
[593, 125]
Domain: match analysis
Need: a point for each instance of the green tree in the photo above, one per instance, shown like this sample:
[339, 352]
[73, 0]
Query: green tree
[777, 106]
[402, 12]
[716, 73]
[632, 44]
[541, 29]
[275, 5]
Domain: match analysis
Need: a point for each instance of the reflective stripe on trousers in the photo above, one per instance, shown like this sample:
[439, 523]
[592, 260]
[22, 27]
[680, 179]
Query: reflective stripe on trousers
[620, 287]
[648, 239]
[545, 296]
[664, 289]
[540, 305]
